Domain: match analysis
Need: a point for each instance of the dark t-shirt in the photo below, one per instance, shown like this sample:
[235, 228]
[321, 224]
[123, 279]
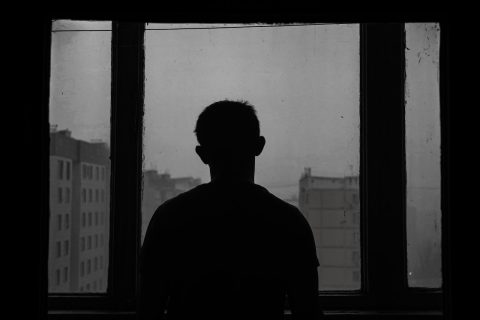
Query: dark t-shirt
[225, 249]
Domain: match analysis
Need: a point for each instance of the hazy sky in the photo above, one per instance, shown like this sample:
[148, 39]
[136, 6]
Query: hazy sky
[303, 81]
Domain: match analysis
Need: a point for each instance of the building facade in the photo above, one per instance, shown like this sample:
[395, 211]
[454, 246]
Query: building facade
[332, 207]
[79, 214]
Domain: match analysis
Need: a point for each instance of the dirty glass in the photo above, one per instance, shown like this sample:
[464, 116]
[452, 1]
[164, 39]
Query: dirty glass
[422, 133]
[304, 83]
[79, 116]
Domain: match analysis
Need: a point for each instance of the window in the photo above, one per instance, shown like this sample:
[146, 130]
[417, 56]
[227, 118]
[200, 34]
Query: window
[67, 195]
[422, 130]
[57, 277]
[84, 219]
[59, 249]
[68, 170]
[97, 173]
[90, 195]
[60, 169]
[89, 219]
[60, 198]
[82, 269]
[96, 241]
[84, 195]
[383, 277]
[67, 221]
[95, 264]
[89, 242]
[65, 274]
[103, 195]
[89, 267]
[66, 247]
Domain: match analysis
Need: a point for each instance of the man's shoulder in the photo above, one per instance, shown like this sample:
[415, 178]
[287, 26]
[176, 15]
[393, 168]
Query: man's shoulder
[183, 199]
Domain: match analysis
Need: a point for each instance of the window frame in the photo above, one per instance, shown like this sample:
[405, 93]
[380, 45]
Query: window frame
[382, 165]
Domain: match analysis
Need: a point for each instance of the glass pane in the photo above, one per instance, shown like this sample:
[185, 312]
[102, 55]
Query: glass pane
[422, 129]
[304, 84]
[79, 151]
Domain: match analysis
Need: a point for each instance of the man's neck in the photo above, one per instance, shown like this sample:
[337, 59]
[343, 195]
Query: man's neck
[234, 173]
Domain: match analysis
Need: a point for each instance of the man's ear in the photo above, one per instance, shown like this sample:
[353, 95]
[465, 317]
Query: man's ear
[260, 145]
[202, 154]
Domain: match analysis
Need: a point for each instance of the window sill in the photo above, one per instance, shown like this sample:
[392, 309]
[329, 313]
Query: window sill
[333, 314]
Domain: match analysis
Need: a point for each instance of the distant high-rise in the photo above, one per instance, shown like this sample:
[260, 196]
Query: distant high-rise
[79, 214]
[332, 208]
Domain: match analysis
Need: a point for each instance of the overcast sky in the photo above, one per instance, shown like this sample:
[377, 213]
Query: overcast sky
[303, 81]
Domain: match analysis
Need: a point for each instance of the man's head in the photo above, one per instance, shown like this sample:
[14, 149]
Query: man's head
[228, 131]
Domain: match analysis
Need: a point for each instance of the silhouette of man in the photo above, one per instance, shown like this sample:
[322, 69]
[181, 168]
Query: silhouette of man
[228, 249]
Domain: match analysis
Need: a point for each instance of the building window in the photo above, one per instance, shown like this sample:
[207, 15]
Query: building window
[97, 173]
[67, 195]
[103, 195]
[82, 244]
[60, 195]
[356, 258]
[102, 218]
[82, 269]
[90, 198]
[96, 218]
[89, 219]
[356, 276]
[84, 171]
[94, 285]
[101, 240]
[59, 249]
[89, 266]
[59, 222]
[68, 170]
[60, 169]
[101, 262]
[67, 221]
[96, 241]
[84, 219]
[103, 173]
[66, 246]
[65, 274]
[57, 277]
[97, 198]
[87, 287]
[84, 195]
[95, 264]
[89, 242]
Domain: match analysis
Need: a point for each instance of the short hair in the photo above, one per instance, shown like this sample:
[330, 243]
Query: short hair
[225, 122]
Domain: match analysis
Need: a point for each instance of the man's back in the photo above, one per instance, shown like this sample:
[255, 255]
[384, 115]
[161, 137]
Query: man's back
[226, 250]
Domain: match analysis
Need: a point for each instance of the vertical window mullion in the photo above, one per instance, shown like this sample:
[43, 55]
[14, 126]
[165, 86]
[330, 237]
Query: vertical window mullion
[127, 113]
[384, 218]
